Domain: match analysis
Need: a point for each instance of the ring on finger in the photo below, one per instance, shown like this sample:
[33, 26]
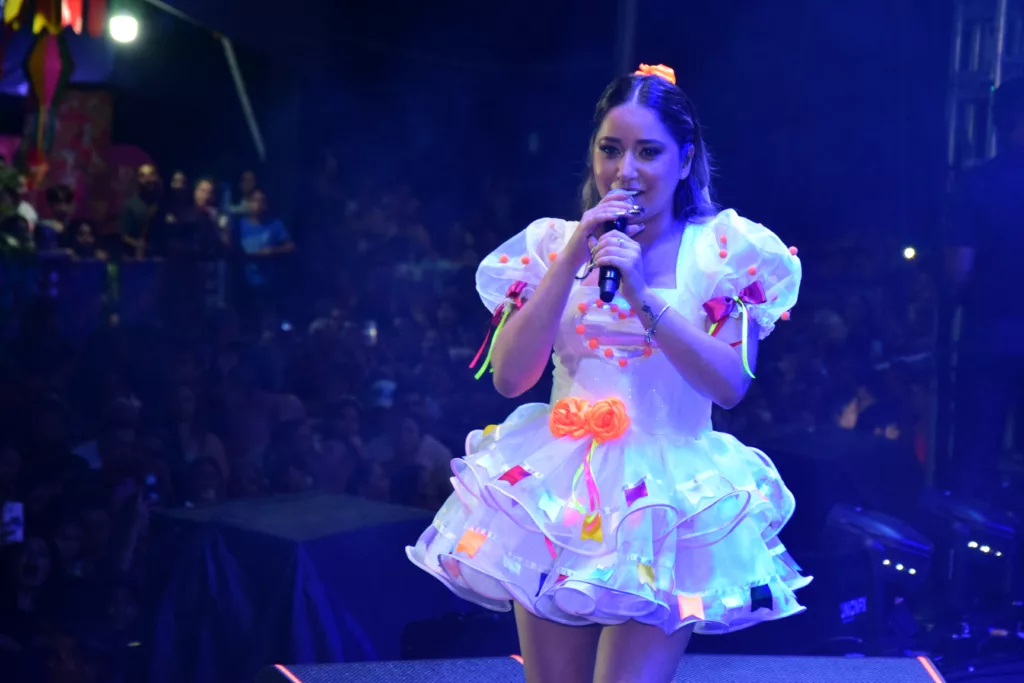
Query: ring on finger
[622, 242]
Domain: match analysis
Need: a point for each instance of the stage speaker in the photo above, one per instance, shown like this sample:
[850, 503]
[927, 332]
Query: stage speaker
[832, 466]
[693, 669]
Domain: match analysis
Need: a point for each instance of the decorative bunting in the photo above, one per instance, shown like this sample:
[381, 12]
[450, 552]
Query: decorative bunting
[470, 543]
[636, 492]
[96, 20]
[645, 572]
[71, 15]
[690, 606]
[551, 548]
[602, 573]
[513, 564]
[761, 596]
[561, 578]
[592, 528]
[732, 601]
[14, 13]
[47, 17]
[540, 587]
[550, 505]
[571, 516]
[514, 475]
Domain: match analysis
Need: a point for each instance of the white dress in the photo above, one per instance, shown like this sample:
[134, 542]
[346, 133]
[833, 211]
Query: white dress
[583, 518]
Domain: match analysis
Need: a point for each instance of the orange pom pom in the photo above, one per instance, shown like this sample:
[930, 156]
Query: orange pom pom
[503, 258]
[623, 362]
[648, 352]
[608, 353]
[582, 308]
[592, 343]
[615, 308]
[723, 253]
[599, 303]
[553, 256]
[580, 329]
[785, 315]
[793, 250]
[623, 315]
[525, 260]
[723, 239]
[752, 270]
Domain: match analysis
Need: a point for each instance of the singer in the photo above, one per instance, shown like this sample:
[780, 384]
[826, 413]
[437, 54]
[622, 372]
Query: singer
[615, 521]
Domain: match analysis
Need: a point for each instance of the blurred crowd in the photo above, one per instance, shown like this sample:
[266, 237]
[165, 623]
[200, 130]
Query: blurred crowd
[173, 220]
[351, 379]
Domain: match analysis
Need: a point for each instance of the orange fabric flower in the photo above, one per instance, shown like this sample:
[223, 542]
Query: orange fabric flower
[659, 70]
[569, 418]
[607, 419]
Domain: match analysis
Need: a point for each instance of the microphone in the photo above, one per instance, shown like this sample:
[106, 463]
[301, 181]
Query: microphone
[609, 277]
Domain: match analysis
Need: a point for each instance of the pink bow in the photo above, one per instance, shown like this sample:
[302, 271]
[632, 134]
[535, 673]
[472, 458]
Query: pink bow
[514, 293]
[721, 307]
[501, 313]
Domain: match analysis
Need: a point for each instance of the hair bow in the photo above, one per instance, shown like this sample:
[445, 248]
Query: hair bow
[659, 70]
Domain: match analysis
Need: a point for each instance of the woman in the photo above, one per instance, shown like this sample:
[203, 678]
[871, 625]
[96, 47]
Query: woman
[616, 520]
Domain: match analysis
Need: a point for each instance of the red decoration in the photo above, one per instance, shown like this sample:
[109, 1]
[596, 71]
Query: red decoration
[96, 21]
[71, 15]
[721, 307]
[514, 475]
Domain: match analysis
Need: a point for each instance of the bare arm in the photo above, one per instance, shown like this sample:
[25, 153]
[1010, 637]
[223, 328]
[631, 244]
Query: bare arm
[711, 365]
[521, 351]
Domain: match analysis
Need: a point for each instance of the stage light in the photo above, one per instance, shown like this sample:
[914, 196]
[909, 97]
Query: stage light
[909, 253]
[886, 562]
[123, 28]
[972, 544]
[912, 570]
[985, 549]
[899, 567]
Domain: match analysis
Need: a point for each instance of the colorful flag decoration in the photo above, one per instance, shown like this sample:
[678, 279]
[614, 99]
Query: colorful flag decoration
[96, 20]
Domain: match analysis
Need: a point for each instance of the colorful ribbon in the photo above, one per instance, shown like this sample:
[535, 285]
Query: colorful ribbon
[603, 421]
[720, 308]
[513, 297]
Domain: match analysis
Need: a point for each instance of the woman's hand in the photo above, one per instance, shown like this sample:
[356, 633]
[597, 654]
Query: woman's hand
[618, 250]
[616, 203]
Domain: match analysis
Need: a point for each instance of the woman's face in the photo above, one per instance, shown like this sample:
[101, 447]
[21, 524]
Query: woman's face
[633, 150]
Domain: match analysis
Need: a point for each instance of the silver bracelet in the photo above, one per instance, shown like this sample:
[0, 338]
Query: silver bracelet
[654, 326]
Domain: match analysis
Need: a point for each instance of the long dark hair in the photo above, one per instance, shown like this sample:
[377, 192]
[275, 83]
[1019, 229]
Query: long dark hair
[692, 199]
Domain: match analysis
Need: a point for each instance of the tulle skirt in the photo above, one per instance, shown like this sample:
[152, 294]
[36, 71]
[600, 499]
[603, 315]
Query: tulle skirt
[683, 531]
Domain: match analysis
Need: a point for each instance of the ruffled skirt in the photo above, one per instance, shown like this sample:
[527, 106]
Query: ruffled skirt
[684, 531]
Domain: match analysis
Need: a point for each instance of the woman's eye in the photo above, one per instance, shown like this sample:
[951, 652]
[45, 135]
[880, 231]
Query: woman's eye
[609, 151]
[650, 152]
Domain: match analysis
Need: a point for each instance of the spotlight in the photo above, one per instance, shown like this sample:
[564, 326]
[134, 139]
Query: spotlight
[123, 28]
[909, 253]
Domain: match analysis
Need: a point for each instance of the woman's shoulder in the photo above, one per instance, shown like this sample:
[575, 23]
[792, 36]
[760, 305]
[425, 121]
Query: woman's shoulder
[729, 222]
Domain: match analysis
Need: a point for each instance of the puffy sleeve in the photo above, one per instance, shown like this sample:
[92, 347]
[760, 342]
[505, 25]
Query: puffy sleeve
[732, 254]
[525, 258]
